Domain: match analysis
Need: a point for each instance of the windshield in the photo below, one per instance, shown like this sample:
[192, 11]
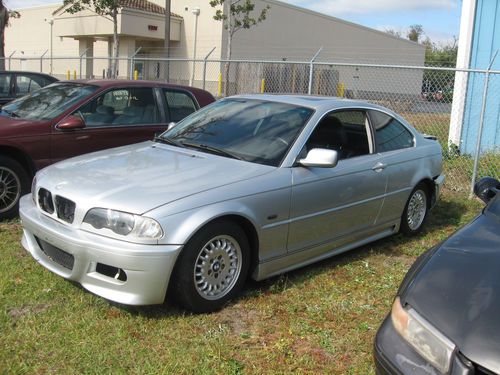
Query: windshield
[48, 102]
[494, 205]
[253, 130]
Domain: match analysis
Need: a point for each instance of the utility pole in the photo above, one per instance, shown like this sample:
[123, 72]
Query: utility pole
[167, 39]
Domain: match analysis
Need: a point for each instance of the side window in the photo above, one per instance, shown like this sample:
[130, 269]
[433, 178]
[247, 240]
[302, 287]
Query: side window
[5, 85]
[129, 106]
[25, 85]
[390, 134]
[180, 104]
[344, 132]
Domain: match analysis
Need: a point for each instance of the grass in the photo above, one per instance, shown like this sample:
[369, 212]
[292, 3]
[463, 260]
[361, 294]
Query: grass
[319, 319]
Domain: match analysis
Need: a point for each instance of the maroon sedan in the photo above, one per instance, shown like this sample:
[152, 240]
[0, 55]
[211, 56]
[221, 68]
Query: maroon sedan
[70, 118]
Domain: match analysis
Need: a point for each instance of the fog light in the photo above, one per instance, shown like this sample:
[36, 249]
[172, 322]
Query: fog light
[110, 271]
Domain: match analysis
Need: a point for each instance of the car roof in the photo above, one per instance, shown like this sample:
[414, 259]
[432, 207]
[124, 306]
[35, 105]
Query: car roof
[127, 82]
[203, 97]
[28, 73]
[321, 103]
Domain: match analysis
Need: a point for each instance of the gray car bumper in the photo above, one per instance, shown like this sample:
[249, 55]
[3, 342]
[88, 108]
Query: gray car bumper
[438, 186]
[147, 267]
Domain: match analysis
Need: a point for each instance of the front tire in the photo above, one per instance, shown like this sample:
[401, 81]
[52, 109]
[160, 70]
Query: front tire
[415, 211]
[212, 267]
[14, 183]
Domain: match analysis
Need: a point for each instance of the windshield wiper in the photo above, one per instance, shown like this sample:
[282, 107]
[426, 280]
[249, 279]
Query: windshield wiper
[212, 149]
[11, 113]
[167, 141]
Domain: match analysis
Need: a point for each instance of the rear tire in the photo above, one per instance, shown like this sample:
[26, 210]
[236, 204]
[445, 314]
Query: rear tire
[212, 267]
[483, 186]
[415, 211]
[14, 183]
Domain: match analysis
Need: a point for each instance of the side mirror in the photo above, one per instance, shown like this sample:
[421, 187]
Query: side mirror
[71, 123]
[171, 125]
[486, 188]
[320, 158]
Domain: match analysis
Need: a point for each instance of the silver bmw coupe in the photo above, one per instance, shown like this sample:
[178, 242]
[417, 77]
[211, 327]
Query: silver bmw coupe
[252, 185]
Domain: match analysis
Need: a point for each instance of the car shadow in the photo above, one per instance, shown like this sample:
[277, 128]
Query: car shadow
[445, 214]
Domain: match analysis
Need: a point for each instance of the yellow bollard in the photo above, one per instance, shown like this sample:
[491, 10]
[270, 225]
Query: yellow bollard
[68, 75]
[262, 86]
[340, 90]
[74, 74]
[219, 88]
[136, 75]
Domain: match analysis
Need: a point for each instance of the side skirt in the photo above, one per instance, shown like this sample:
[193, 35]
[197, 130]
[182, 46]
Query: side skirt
[310, 255]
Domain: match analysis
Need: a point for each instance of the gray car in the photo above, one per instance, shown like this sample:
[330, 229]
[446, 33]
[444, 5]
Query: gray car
[252, 185]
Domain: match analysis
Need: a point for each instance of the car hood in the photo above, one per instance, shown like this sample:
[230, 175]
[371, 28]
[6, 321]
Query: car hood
[458, 291]
[15, 127]
[141, 177]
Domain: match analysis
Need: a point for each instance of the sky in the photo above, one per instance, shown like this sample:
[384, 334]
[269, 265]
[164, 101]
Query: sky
[440, 19]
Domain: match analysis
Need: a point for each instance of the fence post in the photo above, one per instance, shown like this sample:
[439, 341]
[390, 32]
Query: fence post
[219, 86]
[205, 66]
[311, 70]
[10, 57]
[481, 124]
[132, 61]
[81, 58]
[41, 61]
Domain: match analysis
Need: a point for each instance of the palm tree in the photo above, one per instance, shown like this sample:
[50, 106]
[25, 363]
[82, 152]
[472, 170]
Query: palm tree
[5, 14]
[4, 20]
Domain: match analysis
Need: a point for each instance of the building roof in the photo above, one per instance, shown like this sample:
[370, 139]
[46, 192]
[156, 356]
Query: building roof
[143, 5]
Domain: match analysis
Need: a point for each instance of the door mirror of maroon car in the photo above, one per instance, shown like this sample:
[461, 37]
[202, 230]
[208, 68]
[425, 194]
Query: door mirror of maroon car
[71, 123]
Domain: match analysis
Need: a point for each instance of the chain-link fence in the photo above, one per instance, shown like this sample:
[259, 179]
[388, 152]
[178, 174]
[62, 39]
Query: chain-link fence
[459, 107]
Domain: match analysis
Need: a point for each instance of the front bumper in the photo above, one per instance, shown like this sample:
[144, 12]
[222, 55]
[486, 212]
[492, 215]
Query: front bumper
[147, 267]
[393, 355]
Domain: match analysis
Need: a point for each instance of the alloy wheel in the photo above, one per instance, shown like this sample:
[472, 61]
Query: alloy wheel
[10, 189]
[417, 208]
[217, 267]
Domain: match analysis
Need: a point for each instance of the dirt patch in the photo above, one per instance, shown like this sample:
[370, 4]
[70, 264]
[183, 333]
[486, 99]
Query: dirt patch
[19, 312]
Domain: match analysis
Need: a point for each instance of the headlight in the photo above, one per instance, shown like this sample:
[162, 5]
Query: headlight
[124, 223]
[33, 190]
[431, 344]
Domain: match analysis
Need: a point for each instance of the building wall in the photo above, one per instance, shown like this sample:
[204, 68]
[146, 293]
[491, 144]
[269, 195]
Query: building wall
[29, 38]
[288, 33]
[295, 34]
[485, 42]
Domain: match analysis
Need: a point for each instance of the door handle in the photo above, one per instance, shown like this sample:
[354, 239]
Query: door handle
[379, 167]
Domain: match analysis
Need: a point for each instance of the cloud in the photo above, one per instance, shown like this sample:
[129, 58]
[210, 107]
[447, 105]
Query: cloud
[439, 37]
[19, 4]
[337, 7]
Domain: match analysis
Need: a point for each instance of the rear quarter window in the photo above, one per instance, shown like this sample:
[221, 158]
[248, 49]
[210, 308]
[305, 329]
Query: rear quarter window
[390, 134]
[180, 104]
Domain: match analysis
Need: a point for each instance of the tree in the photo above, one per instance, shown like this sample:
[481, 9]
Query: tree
[239, 16]
[105, 8]
[5, 15]
[393, 32]
[415, 32]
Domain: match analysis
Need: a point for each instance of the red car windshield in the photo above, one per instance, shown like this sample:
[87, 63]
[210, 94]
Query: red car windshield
[48, 102]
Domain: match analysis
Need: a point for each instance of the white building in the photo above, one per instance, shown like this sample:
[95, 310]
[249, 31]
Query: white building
[289, 33]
